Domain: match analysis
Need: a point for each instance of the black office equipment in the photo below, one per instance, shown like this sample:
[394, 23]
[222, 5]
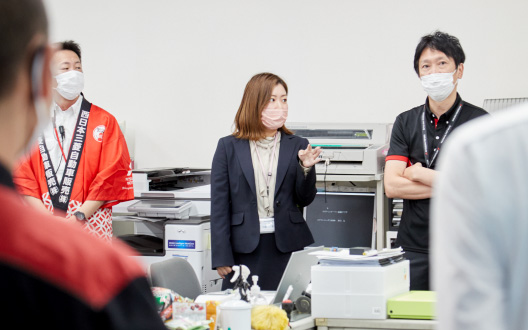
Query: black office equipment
[341, 220]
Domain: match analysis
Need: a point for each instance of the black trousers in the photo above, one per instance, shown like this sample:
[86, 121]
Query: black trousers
[419, 264]
[266, 261]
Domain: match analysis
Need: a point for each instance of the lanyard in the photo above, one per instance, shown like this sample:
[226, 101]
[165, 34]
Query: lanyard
[59, 141]
[57, 136]
[428, 162]
[60, 192]
[267, 176]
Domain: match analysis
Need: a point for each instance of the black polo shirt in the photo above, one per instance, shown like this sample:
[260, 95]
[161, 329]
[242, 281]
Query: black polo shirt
[407, 145]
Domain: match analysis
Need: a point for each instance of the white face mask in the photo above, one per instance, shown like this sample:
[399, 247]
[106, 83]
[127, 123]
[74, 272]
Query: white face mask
[438, 85]
[42, 107]
[70, 84]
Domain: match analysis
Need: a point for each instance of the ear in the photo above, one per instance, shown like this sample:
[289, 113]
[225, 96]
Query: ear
[46, 91]
[41, 75]
[460, 71]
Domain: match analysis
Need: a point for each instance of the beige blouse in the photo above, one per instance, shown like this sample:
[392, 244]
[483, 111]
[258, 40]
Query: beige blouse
[265, 149]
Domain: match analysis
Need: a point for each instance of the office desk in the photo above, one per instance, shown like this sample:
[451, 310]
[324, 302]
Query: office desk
[308, 323]
[387, 324]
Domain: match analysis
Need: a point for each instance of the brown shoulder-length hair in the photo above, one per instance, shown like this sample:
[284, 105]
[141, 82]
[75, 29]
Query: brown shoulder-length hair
[248, 123]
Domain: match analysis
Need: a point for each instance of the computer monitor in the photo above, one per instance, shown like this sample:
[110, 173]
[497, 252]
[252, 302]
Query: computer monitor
[342, 220]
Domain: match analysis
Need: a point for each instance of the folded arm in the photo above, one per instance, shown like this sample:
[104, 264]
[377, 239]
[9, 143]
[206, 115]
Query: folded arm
[414, 182]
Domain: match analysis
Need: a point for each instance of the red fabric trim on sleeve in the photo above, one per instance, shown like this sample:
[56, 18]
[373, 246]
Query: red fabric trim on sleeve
[397, 157]
[400, 158]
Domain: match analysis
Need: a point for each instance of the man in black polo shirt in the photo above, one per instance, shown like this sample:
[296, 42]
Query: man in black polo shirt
[417, 137]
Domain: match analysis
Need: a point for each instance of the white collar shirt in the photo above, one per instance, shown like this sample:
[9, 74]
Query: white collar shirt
[479, 225]
[68, 120]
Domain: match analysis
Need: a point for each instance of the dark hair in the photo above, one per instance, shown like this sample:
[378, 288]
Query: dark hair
[20, 22]
[248, 123]
[441, 41]
[70, 45]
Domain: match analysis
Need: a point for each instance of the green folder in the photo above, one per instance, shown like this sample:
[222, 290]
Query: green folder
[412, 305]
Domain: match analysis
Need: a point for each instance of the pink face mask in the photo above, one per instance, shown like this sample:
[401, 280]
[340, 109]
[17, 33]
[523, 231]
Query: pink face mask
[274, 119]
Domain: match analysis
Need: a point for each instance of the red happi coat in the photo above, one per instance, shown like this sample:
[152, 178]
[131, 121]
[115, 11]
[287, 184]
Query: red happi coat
[104, 173]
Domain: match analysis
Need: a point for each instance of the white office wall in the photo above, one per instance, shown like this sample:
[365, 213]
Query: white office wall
[175, 70]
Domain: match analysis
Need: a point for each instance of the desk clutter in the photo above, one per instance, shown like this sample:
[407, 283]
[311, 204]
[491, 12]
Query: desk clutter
[360, 284]
[179, 312]
[242, 308]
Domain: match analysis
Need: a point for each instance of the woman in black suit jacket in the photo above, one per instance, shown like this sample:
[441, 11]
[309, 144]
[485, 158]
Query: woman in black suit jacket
[262, 176]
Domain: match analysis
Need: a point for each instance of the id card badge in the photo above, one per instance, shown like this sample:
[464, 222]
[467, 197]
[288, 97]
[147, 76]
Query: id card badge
[267, 225]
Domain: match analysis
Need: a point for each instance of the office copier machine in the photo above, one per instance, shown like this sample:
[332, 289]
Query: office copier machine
[170, 217]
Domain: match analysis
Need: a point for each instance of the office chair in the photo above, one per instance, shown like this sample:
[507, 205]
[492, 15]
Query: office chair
[176, 274]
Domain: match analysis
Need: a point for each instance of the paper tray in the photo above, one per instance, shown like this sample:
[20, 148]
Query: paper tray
[170, 209]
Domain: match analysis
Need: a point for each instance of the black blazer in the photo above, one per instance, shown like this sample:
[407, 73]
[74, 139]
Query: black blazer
[235, 225]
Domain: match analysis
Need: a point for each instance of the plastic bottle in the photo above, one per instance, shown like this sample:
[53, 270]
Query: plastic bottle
[256, 297]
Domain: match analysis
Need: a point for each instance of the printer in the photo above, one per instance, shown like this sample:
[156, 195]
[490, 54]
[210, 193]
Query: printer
[353, 157]
[350, 148]
[170, 217]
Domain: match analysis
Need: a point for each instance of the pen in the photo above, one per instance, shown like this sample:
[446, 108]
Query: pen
[288, 293]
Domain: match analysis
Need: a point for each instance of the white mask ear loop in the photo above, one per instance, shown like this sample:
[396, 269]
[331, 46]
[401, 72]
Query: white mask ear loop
[37, 73]
[457, 79]
[41, 108]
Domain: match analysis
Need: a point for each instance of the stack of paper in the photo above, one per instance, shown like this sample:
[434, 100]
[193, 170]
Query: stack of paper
[370, 258]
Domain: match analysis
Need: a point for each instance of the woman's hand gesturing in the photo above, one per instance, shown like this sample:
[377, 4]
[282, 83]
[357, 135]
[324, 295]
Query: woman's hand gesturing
[309, 157]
